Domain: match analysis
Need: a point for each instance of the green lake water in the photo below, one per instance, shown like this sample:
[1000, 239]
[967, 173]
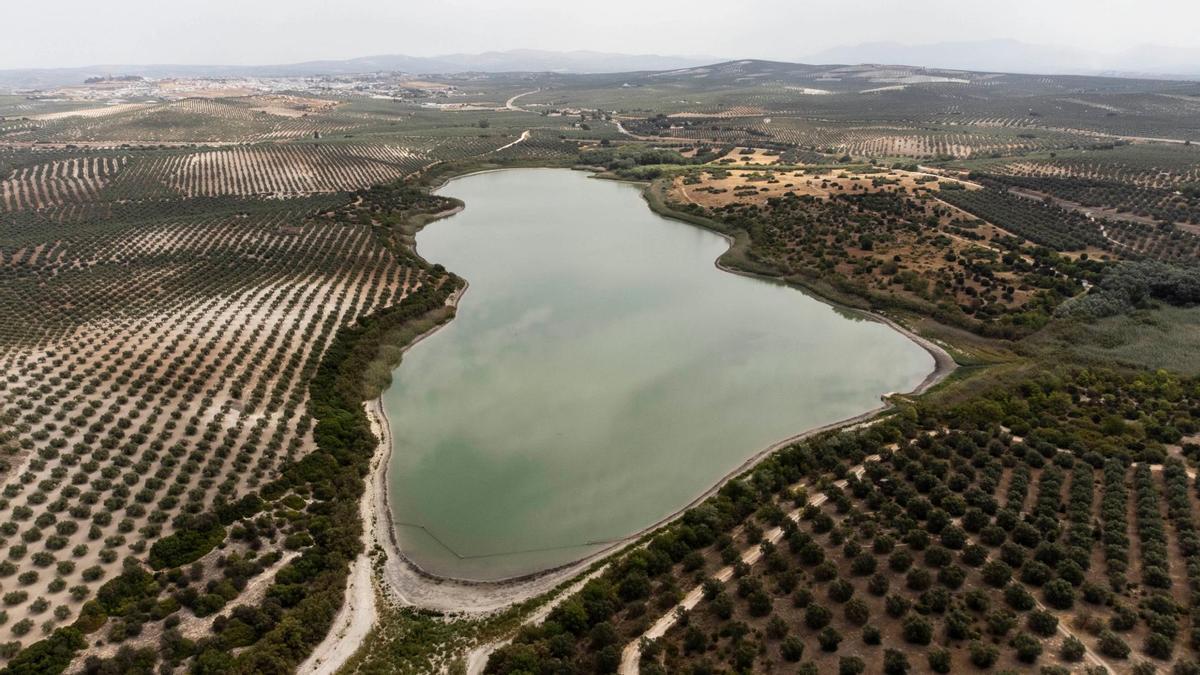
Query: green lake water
[600, 374]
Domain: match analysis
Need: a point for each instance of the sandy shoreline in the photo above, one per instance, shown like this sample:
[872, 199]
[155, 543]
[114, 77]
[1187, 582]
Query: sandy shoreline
[404, 582]
[478, 596]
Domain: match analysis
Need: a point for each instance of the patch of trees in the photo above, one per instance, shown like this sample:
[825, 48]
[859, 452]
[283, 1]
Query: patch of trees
[1161, 203]
[1137, 285]
[194, 536]
[51, 655]
[627, 157]
[801, 237]
[1041, 223]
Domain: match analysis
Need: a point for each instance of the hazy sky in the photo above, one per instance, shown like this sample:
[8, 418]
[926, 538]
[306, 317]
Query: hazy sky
[86, 32]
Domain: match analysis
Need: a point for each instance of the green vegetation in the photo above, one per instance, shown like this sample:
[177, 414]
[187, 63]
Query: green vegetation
[1138, 286]
[189, 331]
[194, 536]
[880, 247]
[962, 504]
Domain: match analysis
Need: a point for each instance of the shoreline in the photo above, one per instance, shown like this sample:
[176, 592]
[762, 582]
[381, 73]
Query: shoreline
[943, 363]
[526, 586]
[405, 582]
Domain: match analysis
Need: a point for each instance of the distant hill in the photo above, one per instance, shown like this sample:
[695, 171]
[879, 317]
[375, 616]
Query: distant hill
[1007, 56]
[518, 60]
[1012, 56]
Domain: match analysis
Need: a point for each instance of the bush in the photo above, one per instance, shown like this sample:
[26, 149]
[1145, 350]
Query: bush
[996, 573]
[1042, 622]
[1072, 650]
[51, 655]
[1159, 646]
[917, 630]
[792, 649]
[939, 661]
[829, 639]
[983, 656]
[840, 590]
[895, 662]
[1018, 598]
[1059, 594]
[851, 665]
[857, 612]
[1111, 644]
[897, 605]
[1028, 647]
[816, 616]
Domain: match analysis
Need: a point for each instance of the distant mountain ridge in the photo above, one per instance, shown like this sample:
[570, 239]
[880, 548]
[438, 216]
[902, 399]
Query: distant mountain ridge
[1013, 56]
[1008, 56]
[518, 60]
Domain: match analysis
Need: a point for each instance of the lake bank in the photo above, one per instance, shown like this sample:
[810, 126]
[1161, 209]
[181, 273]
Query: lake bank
[401, 580]
[644, 360]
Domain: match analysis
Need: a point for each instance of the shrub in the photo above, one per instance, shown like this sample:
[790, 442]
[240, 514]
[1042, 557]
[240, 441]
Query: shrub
[1042, 622]
[996, 573]
[900, 560]
[194, 536]
[857, 612]
[792, 648]
[1028, 647]
[983, 656]
[1111, 644]
[1018, 598]
[840, 590]
[939, 660]
[829, 639]
[917, 630]
[897, 605]
[851, 665]
[816, 616]
[878, 584]
[1072, 650]
[895, 662]
[1059, 594]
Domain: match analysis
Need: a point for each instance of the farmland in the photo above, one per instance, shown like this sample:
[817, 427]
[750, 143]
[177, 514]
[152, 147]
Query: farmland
[826, 555]
[201, 291]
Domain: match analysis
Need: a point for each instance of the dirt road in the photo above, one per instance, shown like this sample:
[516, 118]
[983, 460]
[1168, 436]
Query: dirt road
[524, 137]
[511, 104]
[632, 652]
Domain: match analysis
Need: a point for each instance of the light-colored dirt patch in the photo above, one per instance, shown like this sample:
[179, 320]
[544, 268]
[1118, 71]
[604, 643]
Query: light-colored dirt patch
[810, 91]
[736, 111]
[719, 187]
[423, 84]
[742, 155]
[92, 113]
[292, 106]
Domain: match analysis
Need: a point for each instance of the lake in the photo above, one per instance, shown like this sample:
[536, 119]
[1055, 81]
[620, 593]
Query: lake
[600, 374]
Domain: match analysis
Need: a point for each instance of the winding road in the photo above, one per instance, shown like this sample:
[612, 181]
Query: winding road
[511, 104]
[524, 137]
